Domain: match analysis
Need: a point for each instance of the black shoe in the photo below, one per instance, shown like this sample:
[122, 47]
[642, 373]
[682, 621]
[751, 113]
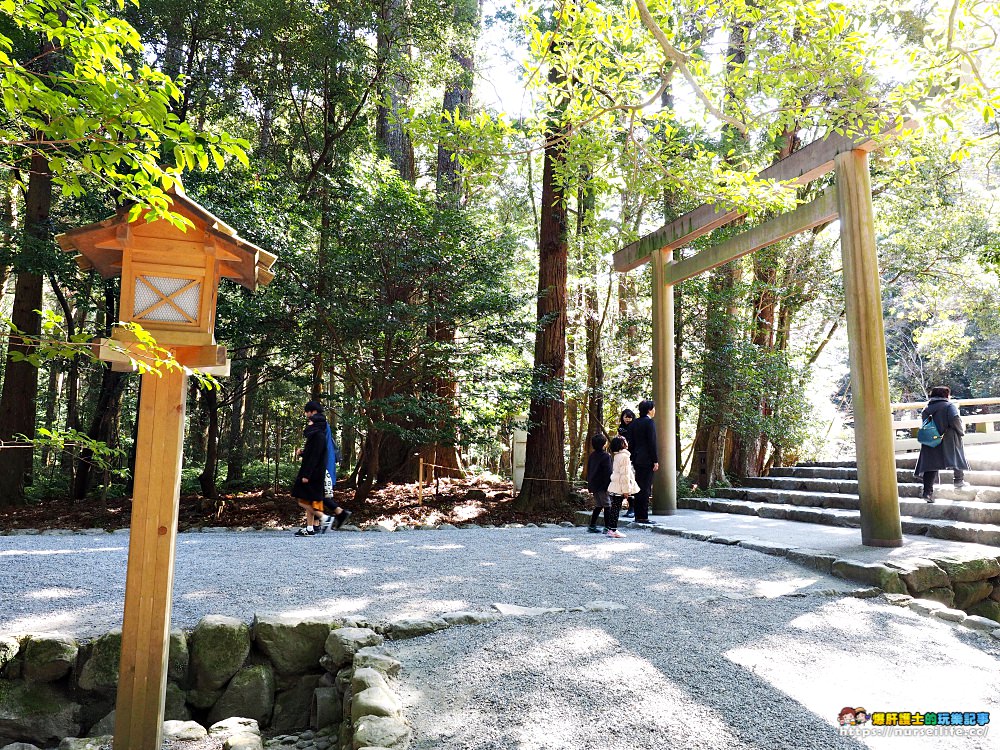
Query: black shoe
[630, 514]
[963, 485]
[307, 531]
[929, 498]
[646, 521]
[593, 530]
[342, 518]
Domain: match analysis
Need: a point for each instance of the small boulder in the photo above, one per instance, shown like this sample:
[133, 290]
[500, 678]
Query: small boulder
[48, 658]
[86, 743]
[243, 742]
[376, 658]
[986, 608]
[20, 746]
[873, 574]
[179, 657]
[381, 731]
[249, 694]
[175, 708]
[412, 627]
[343, 643]
[366, 678]
[37, 712]
[374, 701]
[967, 594]
[944, 595]
[99, 672]
[219, 646]
[920, 574]
[103, 727]
[234, 725]
[183, 731]
[963, 571]
[293, 646]
[327, 708]
[975, 622]
[293, 706]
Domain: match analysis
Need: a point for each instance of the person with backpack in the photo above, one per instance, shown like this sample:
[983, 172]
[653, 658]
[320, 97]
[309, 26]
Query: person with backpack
[941, 445]
[310, 483]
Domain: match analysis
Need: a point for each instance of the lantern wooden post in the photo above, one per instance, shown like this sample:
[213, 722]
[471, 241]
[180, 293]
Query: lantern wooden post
[880, 524]
[170, 279]
[142, 679]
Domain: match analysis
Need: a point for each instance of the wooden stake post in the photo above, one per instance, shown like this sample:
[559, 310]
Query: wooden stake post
[170, 280]
[851, 201]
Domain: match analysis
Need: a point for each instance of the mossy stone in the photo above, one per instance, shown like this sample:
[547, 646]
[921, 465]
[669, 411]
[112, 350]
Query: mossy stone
[99, 672]
[48, 658]
[219, 646]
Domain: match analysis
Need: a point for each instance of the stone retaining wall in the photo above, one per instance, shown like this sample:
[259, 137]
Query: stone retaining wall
[280, 674]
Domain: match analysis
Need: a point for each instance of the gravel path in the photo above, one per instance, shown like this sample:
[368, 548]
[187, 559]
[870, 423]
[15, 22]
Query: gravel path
[718, 647]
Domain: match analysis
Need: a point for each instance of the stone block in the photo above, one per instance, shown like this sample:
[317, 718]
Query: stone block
[293, 646]
[925, 606]
[103, 727]
[986, 608]
[99, 672]
[975, 622]
[343, 643]
[219, 646]
[873, 574]
[898, 600]
[381, 731]
[293, 706]
[412, 627]
[179, 657]
[945, 595]
[951, 615]
[47, 658]
[967, 594]
[920, 574]
[375, 701]
[777, 550]
[327, 708]
[37, 712]
[377, 658]
[811, 558]
[183, 731]
[250, 694]
[234, 725]
[963, 571]
[85, 743]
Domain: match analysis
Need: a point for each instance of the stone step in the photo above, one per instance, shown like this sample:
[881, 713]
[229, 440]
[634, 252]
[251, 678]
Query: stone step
[978, 478]
[975, 464]
[911, 488]
[938, 529]
[955, 510]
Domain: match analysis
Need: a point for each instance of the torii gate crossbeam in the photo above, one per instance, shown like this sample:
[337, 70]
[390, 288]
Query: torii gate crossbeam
[850, 200]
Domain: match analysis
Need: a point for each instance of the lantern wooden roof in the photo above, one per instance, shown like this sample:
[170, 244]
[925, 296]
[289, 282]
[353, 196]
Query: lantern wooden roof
[102, 244]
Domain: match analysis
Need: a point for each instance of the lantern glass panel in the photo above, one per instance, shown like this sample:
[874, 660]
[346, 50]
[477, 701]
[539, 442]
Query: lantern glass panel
[166, 299]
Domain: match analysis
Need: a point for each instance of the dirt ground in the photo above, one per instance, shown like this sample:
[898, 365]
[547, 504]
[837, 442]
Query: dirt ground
[457, 502]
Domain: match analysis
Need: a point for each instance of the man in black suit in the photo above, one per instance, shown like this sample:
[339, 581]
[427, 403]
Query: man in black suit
[642, 446]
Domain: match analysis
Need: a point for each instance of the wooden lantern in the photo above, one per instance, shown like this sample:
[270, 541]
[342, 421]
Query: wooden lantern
[170, 278]
[170, 282]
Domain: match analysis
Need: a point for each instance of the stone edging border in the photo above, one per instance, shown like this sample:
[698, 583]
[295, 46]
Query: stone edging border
[881, 578]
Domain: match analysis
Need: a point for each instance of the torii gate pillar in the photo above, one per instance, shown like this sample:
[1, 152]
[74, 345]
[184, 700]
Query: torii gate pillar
[664, 388]
[880, 523]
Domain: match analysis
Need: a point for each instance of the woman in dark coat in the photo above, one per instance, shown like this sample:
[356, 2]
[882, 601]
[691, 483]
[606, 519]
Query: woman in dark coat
[950, 453]
[309, 483]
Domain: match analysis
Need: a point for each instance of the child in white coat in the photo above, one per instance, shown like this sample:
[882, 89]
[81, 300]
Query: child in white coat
[623, 484]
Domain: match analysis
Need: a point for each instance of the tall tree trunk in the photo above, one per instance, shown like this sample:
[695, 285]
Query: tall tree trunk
[708, 465]
[349, 433]
[20, 383]
[206, 480]
[102, 426]
[390, 131]
[234, 456]
[545, 468]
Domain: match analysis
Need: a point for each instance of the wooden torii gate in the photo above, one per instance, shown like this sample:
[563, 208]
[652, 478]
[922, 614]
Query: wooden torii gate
[850, 199]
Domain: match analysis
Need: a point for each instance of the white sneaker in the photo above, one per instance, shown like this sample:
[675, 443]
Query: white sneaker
[325, 524]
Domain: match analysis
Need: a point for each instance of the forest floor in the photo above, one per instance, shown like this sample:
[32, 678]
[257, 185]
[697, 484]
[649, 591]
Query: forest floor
[457, 501]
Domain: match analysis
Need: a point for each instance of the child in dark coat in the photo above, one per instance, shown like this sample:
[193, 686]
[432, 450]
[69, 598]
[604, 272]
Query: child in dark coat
[598, 479]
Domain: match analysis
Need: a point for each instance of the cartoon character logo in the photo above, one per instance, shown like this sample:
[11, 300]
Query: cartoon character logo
[846, 716]
[860, 716]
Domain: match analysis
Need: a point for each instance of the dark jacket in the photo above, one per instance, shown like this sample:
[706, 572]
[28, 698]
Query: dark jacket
[599, 471]
[313, 462]
[625, 430]
[950, 454]
[642, 442]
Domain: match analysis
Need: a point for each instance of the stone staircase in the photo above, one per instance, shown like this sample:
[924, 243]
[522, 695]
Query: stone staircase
[827, 493]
